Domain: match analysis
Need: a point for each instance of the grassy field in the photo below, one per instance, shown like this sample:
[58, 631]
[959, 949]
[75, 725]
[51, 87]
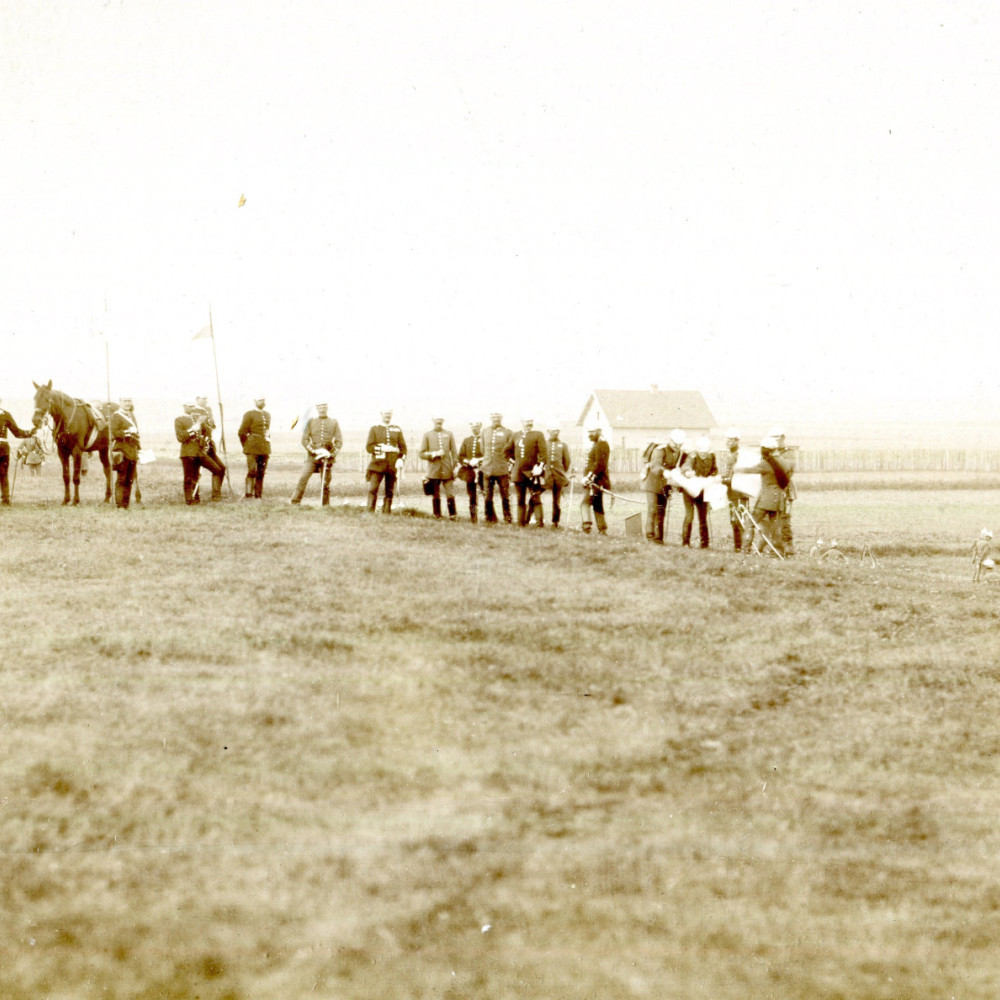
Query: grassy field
[253, 751]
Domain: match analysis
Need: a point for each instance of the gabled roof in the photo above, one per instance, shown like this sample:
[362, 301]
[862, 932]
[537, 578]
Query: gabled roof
[640, 408]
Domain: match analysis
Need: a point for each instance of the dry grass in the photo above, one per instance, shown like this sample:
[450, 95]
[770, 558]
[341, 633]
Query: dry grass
[252, 751]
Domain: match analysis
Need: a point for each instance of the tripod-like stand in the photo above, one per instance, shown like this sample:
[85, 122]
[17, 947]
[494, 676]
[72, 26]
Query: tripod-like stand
[752, 530]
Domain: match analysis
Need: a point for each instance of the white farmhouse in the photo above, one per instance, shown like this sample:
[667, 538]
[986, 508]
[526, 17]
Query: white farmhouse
[631, 418]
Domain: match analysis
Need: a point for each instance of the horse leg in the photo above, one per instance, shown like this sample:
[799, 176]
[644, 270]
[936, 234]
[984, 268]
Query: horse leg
[76, 478]
[106, 462]
[65, 459]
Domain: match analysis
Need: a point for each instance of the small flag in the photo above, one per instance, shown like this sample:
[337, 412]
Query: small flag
[204, 333]
[242, 202]
[307, 415]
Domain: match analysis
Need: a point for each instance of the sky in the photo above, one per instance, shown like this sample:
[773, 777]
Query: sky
[451, 208]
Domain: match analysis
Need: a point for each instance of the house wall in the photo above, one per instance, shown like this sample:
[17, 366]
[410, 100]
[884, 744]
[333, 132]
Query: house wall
[635, 437]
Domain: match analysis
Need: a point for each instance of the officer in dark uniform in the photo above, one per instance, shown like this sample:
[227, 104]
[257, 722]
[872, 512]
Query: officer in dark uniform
[322, 440]
[496, 467]
[738, 502]
[786, 457]
[595, 481]
[7, 423]
[470, 461]
[255, 436]
[556, 471]
[387, 447]
[195, 439]
[528, 453]
[125, 454]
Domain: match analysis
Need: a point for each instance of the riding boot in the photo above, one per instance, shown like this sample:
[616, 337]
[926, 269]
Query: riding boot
[216, 488]
[452, 510]
[658, 527]
[248, 489]
[473, 512]
[120, 495]
[602, 524]
[258, 486]
[436, 506]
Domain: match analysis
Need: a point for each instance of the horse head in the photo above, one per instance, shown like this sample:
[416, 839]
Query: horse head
[43, 402]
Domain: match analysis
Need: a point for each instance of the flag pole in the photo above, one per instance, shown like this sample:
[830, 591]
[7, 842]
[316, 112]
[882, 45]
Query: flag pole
[218, 393]
[108, 471]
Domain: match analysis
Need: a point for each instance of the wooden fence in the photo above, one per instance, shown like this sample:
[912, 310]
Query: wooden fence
[628, 461]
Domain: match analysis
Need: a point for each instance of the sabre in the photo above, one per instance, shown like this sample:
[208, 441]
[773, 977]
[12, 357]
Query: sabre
[757, 530]
[13, 484]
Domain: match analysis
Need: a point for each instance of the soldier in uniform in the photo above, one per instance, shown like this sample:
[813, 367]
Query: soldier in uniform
[255, 436]
[470, 460]
[660, 459]
[654, 485]
[557, 470]
[128, 405]
[387, 447]
[7, 423]
[737, 501]
[201, 404]
[595, 481]
[528, 453]
[32, 455]
[437, 449]
[496, 467]
[125, 454]
[786, 456]
[321, 439]
[700, 463]
[773, 481]
[195, 439]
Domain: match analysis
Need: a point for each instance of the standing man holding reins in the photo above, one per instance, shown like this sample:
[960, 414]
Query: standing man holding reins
[7, 423]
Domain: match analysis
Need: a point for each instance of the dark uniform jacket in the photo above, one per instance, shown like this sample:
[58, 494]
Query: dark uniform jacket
[192, 434]
[385, 444]
[125, 434]
[771, 470]
[597, 464]
[526, 450]
[439, 466]
[322, 432]
[496, 442]
[255, 432]
[557, 467]
[469, 454]
[7, 423]
[701, 465]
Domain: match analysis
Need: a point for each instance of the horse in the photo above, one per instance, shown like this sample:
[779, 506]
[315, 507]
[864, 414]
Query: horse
[77, 428]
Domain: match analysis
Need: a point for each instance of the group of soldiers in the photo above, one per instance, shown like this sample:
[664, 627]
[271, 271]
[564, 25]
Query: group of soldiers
[488, 461]
[762, 521]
